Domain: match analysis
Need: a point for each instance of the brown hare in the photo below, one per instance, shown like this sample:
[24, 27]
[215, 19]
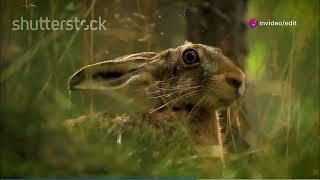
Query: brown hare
[192, 79]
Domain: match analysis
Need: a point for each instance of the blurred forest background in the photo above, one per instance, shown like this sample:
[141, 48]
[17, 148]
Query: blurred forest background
[279, 119]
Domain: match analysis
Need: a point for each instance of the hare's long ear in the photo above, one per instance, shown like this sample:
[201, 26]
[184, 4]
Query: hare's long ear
[113, 74]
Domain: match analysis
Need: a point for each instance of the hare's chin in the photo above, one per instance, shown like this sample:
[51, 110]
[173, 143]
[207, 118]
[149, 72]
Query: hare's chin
[219, 102]
[225, 102]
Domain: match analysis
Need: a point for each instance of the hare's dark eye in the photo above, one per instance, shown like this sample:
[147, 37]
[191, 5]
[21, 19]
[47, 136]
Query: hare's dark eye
[190, 56]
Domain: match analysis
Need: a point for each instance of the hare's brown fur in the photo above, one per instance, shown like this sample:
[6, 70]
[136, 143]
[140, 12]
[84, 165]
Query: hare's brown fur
[192, 79]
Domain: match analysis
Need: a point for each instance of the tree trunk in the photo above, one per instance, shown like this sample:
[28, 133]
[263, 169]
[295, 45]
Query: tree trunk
[219, 23]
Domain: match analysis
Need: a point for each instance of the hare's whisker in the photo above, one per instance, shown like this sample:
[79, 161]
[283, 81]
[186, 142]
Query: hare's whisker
[167, 79]
[181, 89]
[176, 99]
[171, 93]
[175, 77]
[177, 88]
[180, 82]
[197, 104]
[162, 95]
[183, 81]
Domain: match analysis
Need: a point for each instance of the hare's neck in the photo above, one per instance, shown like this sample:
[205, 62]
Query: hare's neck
[205, 128]
[202, 124]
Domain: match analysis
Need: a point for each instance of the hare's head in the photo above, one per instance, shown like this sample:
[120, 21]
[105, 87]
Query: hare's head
[186, 76]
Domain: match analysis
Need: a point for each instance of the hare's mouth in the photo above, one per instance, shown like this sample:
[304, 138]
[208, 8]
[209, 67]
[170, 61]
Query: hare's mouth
[225, 101]
[229, 97]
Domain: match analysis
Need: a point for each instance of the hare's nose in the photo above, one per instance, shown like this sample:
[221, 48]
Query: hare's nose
[236, 83]
[236, 80]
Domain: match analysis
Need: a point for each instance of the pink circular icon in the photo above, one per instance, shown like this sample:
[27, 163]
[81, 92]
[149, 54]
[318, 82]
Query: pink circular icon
[253, 23]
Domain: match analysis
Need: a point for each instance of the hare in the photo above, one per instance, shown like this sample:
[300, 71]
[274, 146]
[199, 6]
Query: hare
[192, 79]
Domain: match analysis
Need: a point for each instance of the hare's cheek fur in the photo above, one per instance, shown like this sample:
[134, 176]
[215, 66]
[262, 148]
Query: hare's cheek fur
[220, 93]
[224, 85]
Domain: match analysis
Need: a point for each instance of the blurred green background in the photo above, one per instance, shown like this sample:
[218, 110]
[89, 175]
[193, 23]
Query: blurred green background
[282, 103]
